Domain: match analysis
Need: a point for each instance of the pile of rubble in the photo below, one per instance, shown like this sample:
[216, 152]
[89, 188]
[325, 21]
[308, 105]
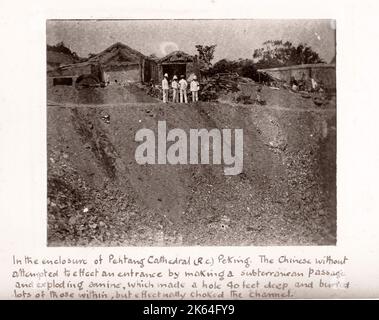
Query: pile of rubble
[212, 87]
[154, 91]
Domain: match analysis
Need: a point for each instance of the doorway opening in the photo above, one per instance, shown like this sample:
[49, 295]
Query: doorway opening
[177, 69]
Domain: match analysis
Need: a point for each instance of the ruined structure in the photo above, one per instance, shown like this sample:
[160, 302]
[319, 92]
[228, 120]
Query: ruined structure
[116, 64]
[123, 64]
[321, 72]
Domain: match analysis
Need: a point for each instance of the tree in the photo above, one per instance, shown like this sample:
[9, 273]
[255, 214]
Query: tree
[277, 53]
[248, 69]
[243, 67]
[206, 55]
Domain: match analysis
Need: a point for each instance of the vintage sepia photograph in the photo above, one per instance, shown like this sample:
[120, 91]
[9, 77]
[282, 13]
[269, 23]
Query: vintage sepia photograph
[191, 132]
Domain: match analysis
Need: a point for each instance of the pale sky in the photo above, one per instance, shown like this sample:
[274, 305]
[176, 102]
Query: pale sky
[234, 38]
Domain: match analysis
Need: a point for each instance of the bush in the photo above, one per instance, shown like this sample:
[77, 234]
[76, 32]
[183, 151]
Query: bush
[243, 67]
[224, 66]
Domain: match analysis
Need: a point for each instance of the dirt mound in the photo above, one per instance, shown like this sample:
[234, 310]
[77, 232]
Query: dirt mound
[285, 195]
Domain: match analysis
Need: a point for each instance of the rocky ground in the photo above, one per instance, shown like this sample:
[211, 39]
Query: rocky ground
[286, 194]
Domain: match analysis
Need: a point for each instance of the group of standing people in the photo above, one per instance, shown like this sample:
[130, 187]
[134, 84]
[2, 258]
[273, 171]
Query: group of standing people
[179, 89]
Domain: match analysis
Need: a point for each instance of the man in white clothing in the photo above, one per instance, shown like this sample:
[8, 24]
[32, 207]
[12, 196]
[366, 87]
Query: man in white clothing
[165, 88]
[183, 89]
[194, 87]
[175, 89]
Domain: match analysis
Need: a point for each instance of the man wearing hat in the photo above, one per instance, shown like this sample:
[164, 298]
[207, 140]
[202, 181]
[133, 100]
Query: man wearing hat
[175, 89]
[194, 87]
[165, 88]
[183, 89]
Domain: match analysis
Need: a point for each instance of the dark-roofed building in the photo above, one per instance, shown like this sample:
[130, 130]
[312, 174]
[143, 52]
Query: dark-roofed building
[117, 64]
[123, 64]
[178, 63]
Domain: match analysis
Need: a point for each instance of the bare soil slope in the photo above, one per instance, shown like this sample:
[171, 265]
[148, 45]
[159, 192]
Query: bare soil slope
[111, 94]
[286, 194]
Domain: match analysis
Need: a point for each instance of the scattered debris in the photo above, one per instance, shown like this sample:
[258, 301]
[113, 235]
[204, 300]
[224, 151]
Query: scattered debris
[106, 118]
[305, 94]
[244, 99]
[318, 101]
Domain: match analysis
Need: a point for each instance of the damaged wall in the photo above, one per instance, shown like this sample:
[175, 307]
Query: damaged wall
[123, 74]
[320, 72]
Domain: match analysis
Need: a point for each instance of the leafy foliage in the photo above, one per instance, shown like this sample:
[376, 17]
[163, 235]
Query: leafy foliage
[224, 66]
[277, 53]
[243, 67]
[206, 54]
